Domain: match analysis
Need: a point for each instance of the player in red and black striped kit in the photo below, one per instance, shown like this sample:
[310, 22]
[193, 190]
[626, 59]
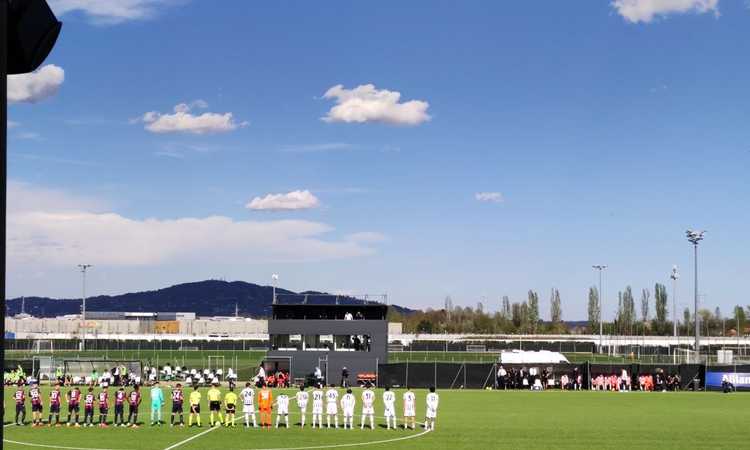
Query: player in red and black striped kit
[74, 406]
[135, 401]
[103, 407]
[55, 399]
[88, 408]
[120, 397]
[177, 400]
[36, 406]
[20, 398]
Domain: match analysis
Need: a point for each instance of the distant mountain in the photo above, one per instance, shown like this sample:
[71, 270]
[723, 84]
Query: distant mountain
[204, 298]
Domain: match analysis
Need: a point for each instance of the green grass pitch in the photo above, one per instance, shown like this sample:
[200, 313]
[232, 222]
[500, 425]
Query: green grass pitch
[466, 420]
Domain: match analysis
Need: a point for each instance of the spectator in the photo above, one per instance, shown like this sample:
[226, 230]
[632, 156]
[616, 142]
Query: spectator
[501, 377]
[344, 377]
[348, 316]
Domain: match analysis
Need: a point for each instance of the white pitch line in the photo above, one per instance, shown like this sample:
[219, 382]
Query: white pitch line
[28, 444]
[353, 444]
[193, 437]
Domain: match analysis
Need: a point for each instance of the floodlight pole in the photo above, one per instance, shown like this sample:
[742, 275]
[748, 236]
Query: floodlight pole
[694, 237]
[674, 276]
[600, 268]
[274, 278]
[84, 268]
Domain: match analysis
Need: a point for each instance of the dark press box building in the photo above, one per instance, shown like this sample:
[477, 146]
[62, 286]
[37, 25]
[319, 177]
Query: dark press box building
[328, 336]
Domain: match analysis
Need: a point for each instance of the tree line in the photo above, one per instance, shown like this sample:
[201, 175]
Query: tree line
[523, 317]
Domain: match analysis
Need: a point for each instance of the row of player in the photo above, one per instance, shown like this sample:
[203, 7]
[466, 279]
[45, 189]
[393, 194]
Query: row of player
[229, 400]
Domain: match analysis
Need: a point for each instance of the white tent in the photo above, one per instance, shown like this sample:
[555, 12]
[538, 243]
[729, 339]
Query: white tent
[527, 357]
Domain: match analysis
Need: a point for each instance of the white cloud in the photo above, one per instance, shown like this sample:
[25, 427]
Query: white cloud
[367, 237]
[284, 202]
[492, 197]
[365, 103]
[635, 11]
[35, 86]
[110, 12]
[314, 148]
[49, 228]
[28, 135]
[183, 121]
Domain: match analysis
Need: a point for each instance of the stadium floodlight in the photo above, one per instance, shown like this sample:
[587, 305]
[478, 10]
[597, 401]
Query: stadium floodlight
[28, 31]
[84, 268]
[694, 237]
[674, 276]
[274, 278]
[600, 268]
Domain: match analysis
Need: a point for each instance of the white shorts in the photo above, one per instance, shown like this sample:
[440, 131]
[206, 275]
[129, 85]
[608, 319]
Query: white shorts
[302, 407]
[410, 411]
[368, 410]
[282, 411]
[389, 412]
[349, 412]
[317, 408]
[248, 409]
[332, 408]
[431, 413]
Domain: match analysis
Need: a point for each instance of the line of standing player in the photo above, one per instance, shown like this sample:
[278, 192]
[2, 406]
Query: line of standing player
[329, 399]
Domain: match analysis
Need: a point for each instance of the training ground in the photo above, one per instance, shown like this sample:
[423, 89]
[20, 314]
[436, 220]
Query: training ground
[467, 419]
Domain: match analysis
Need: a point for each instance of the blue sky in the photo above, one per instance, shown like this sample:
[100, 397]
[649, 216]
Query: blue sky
[597, 132]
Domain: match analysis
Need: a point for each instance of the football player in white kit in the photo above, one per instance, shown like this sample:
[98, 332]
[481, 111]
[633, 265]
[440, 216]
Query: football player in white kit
[282, 409]
[389, 400]
[347, 405]
[248, 404]
[432, 406]
[332, 406]
[368, 408]
[410, 409]
[302, 397]
[317, 408]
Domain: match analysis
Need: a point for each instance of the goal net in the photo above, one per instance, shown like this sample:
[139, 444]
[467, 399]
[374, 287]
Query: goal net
[216, 365]
[476, 348]
[42, 346]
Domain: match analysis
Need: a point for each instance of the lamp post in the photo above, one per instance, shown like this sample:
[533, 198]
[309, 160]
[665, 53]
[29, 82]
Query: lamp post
[84, 268]
[600, 268]
[694, 237]
[275, 279]
[674, 276]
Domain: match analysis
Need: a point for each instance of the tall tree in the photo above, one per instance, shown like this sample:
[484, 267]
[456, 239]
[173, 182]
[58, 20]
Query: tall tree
[505, 310]
[660, 300]
[516, 316]
[628, 306]
[593, 309]
[740, 319]
[533, 306]
[645, 297]
[686, 318]
[555, 312]
[448, 306]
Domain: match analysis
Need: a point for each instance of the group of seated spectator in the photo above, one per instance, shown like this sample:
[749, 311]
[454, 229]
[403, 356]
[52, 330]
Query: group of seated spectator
[533, 379]
[279, 379]
[14, 376]
[645, 382]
